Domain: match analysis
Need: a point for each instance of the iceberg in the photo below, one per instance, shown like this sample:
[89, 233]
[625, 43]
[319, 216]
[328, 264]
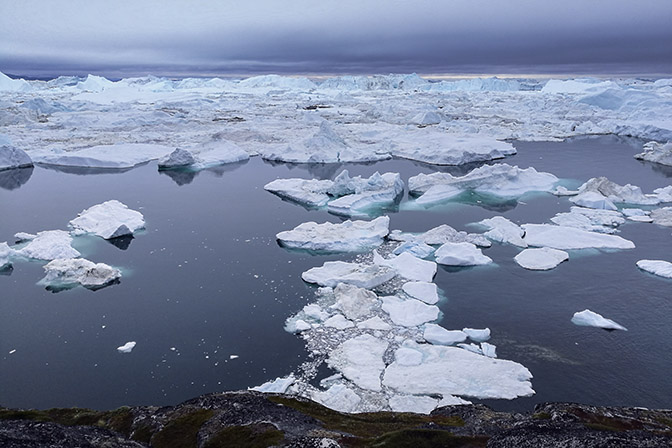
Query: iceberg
[637, 214]
[8, 84]
[67, 273]
[437, 335]
[502, 230]
[204, 156]
[569, 238]
[349, 236]
[423, 291]
[119, 156]
[657, 153]
[409, 313]
[362, 275]
[575, 86]
[127, 347]
[660, 268]
[595, 220]
[308, 192]
[541, 259]
[452, 371]
[662, 216]
[360, 360]
[408, 266]
[461, 254]
[278, 82]
[108, 220]
[5, 253]
[441, 235]
[589, 318]
[426, 119]
[488, 350]
[613, 192]
[12, 157]
[49, 245]
[593, 199]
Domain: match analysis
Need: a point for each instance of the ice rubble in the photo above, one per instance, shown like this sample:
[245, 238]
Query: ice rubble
[278, 386]
[349, 236]
[49, 245]
[360, 360]
[500, 180]
[12, 157]
[108, 220]
[461, 254]
[64, 273]
[662, 216]
[660, 268]
[541, 259]
[568, 238]
[118, 156]
[657, 153]
[440, 235]
[589, 318]
[502, 230]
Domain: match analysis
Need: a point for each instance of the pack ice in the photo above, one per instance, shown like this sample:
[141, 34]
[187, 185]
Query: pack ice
[108, 220]
[349, 236]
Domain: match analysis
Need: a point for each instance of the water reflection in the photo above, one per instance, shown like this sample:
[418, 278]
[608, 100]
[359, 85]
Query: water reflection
[185, 176]
[84, 170]
[14, 178]
[121, 242]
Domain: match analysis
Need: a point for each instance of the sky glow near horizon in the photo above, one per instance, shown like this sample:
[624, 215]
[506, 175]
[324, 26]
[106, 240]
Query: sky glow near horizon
[347, 36]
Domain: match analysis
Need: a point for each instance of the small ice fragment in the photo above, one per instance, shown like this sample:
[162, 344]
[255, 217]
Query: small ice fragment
[127, 347]
[424, 291]
[279, 385]
[409, 313]
[436, 334]
[477, 335]
[339, 322]
[660, 268]
[12, 351]
[541, 259]
[408, 266]
[489, 350]
[591, 319]
[234, 356]
[461, 254]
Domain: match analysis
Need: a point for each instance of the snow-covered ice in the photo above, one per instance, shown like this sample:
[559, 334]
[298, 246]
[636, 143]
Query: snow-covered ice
[118, 156]
[309, 192]
[436, 334]
[338, 397]
[541, 259]
[410, 312]
[502, 230]
[49, 245]
[334, 272]
[408, 266]
[660, 268]
[360, 360]
[461, 254]
[349, 236]
[64, 273]
[477, 334]
[204, 156]
[127, 347]
[590, 219]
[441, 235]
[603, 193]
[12, 157]
[568, 238]
[278, 385]
[108, 220]
[589, 318]
[657, 152]
[424, 291]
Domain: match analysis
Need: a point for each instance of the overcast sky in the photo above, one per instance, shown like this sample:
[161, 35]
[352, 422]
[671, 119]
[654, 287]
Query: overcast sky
[124, 37]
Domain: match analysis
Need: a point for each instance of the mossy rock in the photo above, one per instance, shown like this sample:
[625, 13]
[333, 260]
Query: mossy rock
[261, 435]
[427, 438]
[182, 432]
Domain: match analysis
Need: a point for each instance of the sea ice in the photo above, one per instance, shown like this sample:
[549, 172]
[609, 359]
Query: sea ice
[590, 219]
[436, 334]
[488, 350]
[49, 245]
[277, 386]
[541, 259]
[374, 323]
[127, 347]
[309, 192]
[502, 230]
[360, 360]
[179, 158]
[119, 156]
[657, 153]
[204, 156]
[593, 199]
[73, 271]
[334, 272]
[477, 335]
[349, 236]
[441, 235]
[12, 157]
[424, 291]
[413, 403]
[453, 371]
[409, 313]
[357, 195]
[408, 266]
[461, 254]
[354, 302]
[338, 397]
[613, 192]
[339, 322]
[568, 238]
[662, 216]
[657, 267]
[415, 248]
[108, 220]
[589, 318]
[426, 119]
[5, 253]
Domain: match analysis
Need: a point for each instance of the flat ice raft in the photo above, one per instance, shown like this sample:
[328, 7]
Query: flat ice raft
[108, 220]
[660, 268]
[67, 273]
[589, 318]
[119, 156]
[349, 236]
[568, 238]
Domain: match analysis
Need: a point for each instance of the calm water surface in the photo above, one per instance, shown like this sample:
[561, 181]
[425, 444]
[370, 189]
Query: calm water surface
[207, 280]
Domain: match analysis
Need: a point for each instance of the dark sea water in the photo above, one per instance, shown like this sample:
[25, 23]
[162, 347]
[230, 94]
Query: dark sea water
[207, 280]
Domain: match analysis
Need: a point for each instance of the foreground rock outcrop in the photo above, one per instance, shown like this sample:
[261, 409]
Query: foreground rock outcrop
[251, 419]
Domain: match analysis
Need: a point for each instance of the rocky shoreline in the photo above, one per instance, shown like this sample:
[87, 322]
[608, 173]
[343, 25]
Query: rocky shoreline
[251, 419]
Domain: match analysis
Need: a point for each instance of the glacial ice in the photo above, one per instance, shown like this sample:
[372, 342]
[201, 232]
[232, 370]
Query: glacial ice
[593, 199]
[108, 220]
[64, 273]
[118, 156]
[360, 360]
[426, 118]
[488, 350]
[568, 238]
[349, 236]
[541, 259]
[657, 153]
[423, 291]
[49, 245]
[408, 266]
[440, 235]
[12, 157]
[461, 254]
[339, 322]
[204, 156]
[309, 192]
[8, 84]
[374, 323]
[454, 371]
[613, 192]
[436, 334]
[410, 312]
[415, 248]
[127, 347]
[502, 230]
[660, 268]
[637, 214]
[362, 275]
[589, 318]
[5, 253]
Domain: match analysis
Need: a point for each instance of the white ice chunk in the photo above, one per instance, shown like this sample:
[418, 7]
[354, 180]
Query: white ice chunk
[415, 248]
[568, 238]
[338, 397]
[449, 400]
[593, 199]
[541, 259]
[589, 318]
[349, 236]
[360, 360]
[563, 191]
[177, 159]
[374, 323]
[502, 230]
[426, 118]
[603, 221]
[657, 153]
[108, 220]
[314, 311]
[354, 302]
[127, 347]
[436, 334]
[73, 271]
[49, 245]
[409, 313]
[310, 192]
[23, 236]
[662, 216]
[297, 325]
[657, 267]
[473, 348]
[278, 386]
[627, 194]
[334, 272]
[629, 212]
[339, 322]
[119, 156]
[408, 266]
[8, 84]
[362, 195]
[424, 291]
[12, 157]
[663, 194]
[489, 350]
[413, 403]
[461, 254]
[477, 335]
[453, 371]
[441, 235]
[5, 253]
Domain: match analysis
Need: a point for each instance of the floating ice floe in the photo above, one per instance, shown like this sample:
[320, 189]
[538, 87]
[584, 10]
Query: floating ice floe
[587, 318]
[601, 193]
[657, 153]
[593, 199]
[360, 360]
[590, 219]
[662, 216]
[205, 156]
[349, 236]
[440, 235]
[49, 245]
[541, 259]
[436, 334]
[127, 347]
[67, 273]
[408, 266]
[277, 386]
[569, 238]
[455, 371]
[5, 253]
[363, 275]
[461, 254]
[413, 403]
[119, 156]
[410, 312]
[660, 268]
[108, 220]
[12, 157]
[415, 248]
[502, 230]
[354, 302]
[477, 334]
[309, 192]
[501, 180]
[637, 214]
[424, 291]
